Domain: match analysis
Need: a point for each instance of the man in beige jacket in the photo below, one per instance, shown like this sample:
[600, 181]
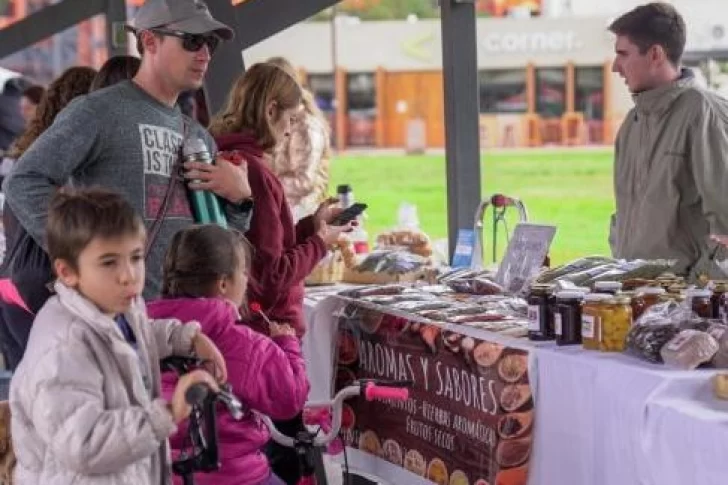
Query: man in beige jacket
[671, 171]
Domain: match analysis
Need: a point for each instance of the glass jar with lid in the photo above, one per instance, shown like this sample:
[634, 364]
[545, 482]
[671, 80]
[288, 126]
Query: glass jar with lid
[717, 301]
[699, 301]
[540, 312]
[592, 316]
[608, 287]
[644, 298]
[616, 324]
[567, 317]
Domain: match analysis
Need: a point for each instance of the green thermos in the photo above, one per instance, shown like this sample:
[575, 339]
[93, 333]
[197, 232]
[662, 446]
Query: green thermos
[205, 204]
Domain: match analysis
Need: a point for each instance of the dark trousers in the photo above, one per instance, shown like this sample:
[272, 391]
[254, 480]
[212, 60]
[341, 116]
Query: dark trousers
[283, 460]
[15, 325]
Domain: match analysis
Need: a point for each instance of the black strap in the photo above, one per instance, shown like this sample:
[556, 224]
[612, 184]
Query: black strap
[175, 177]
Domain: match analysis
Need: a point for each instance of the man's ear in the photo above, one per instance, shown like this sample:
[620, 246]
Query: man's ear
[149, 41]
[658, 54]
[66, 273]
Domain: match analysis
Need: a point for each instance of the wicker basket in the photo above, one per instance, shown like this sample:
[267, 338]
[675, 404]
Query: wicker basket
[328, 272]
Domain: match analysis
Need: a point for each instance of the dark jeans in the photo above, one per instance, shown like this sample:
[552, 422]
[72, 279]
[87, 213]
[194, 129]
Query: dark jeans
[283, 460]
[15, 325]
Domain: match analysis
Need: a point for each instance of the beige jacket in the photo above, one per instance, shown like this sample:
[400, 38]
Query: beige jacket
[302, 165]
[81, 411]
[671, 178]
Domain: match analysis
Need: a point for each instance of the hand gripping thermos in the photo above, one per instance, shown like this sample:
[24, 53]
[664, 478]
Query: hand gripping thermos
[205, 204]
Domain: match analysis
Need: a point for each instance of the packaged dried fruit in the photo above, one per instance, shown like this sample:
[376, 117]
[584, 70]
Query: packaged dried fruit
[720, 333]
[689, 349]
[374, 290]
[418, 306]
[646, 340]
[479, 317]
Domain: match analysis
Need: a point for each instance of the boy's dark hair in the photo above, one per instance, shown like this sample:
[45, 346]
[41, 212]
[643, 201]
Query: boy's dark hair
[655, 23]
[199, 256]
[77, 216]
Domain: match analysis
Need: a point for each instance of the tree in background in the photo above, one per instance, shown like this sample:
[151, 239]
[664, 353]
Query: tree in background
[384, 9]
[401, 9]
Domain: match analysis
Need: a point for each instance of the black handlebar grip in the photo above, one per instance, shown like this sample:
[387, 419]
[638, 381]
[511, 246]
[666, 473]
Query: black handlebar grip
[196, 394]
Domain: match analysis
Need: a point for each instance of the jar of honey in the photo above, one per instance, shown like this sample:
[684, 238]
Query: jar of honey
[644, 298]
[592, 315]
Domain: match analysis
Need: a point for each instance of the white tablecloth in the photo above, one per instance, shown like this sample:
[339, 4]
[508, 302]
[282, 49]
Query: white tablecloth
[611, 419]
[601, 419]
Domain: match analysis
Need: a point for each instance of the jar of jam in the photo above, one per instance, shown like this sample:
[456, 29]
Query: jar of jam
[567, 317]
[607, 287]
[592, 316]
[540, 314]
[700, 303]
[644, 298]
[616, 322]
[717, 301]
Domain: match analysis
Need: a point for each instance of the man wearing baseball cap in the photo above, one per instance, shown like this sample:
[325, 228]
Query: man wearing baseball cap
[129, 136]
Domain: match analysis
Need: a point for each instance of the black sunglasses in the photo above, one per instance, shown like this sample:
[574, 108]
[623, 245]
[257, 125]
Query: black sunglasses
[192, 42]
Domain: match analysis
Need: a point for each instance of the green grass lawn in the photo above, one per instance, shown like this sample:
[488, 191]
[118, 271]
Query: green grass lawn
[571, 189]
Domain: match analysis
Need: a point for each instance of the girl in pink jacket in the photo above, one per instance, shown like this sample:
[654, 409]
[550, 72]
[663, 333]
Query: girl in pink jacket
[205, 278]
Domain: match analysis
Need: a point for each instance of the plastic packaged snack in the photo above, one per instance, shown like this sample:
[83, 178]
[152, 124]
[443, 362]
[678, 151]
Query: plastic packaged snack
[654, 328]
[720, 333]
[374, 290]
[646, 341]
[689, 349]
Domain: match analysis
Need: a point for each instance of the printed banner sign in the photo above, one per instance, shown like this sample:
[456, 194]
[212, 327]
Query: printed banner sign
[469, 418]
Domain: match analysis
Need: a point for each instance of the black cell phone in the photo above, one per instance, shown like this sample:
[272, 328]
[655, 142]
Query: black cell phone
[349, 214]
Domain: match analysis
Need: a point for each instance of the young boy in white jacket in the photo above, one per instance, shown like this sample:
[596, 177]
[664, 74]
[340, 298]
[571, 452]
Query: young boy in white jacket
[85, 400]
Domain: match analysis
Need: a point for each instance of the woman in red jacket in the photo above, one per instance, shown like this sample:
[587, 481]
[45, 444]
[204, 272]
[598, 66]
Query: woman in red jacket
[261, 106]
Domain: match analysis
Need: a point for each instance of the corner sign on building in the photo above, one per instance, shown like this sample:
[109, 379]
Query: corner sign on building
[530, 42]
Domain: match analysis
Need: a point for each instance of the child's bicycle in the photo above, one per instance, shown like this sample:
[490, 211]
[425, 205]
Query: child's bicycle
[202, 453]
[310, 445]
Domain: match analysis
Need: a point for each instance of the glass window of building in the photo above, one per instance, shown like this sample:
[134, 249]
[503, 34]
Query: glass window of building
[550, 91]
[503, 91]
[589, 92]
[361, 109]
[322, 87]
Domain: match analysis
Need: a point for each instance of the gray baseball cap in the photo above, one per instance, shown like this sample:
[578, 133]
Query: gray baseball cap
[188, 16]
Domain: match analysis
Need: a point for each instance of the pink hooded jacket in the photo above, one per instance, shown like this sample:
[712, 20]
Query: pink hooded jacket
[267, 375]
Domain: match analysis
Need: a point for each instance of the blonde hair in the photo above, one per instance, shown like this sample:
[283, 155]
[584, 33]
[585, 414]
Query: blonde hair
[250, 98]
[307, 99]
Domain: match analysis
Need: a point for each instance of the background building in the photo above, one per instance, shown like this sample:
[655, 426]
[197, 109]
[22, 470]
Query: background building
[542, 80]
[544, 70]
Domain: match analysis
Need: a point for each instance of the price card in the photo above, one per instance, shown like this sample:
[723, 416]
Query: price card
[525, 255]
